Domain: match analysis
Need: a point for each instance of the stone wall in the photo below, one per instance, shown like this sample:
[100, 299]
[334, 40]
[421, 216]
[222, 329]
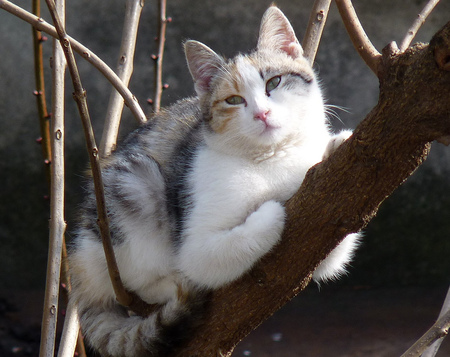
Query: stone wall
[228, 27]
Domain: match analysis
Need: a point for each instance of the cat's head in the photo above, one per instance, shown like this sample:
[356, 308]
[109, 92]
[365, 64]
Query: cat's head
[262, 98]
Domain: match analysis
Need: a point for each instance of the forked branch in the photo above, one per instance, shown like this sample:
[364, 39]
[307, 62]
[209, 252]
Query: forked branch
[57, 221]
[360, 40]
[88, 55]
[80, 97]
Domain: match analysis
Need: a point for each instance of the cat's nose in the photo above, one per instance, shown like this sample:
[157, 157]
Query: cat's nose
[262, 115]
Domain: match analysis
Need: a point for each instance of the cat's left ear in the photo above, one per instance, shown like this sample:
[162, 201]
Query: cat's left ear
[276, 33]
[203, 64]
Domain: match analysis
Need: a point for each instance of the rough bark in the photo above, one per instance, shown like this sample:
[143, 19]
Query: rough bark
[343, 193]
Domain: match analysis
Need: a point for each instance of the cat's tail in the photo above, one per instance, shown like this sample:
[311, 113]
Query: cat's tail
[111, 330]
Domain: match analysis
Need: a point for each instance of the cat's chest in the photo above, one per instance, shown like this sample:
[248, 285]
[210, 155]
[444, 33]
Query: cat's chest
[233, 178]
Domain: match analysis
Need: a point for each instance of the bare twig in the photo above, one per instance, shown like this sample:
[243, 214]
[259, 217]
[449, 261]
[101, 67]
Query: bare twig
[439, 330]
[315, 27]
[417, 24]
[124, 71]
[44, 116]
[44, 140]
[70, 331]
[108, 73]
[162, 24]
[57, 221]
[433, 349]
[80, 97]
[362, 43]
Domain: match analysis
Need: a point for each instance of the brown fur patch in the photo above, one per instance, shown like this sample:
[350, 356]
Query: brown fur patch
[221, 127]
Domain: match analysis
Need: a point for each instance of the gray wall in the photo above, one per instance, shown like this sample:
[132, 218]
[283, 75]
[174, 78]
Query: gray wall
[405, 244]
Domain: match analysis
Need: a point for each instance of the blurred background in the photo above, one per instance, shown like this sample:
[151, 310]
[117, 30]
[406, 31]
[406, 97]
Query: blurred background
[403, 264]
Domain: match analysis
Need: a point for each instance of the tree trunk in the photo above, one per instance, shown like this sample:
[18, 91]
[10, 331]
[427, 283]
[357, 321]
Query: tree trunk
[343, 193]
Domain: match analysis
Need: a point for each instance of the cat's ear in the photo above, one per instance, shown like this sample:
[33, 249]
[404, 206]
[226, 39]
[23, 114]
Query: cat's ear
[203, 64]
[276, 33]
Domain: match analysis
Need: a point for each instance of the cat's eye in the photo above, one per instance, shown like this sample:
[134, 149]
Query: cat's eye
[272, 83]
[235, 100]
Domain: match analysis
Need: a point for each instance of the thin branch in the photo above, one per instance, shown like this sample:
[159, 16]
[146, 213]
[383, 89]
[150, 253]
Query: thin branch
[316, 23]
[108, 73]
[439, 330]
[417, 24]
[124, 71]
[362, 43]
[44, 140]
[57, 221]
[80, 97]
[162, 24]
[41, 102]
[433, 349]
[70, 331]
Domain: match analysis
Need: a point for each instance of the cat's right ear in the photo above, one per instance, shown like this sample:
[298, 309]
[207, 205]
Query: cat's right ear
[203, 64]
[276, 33]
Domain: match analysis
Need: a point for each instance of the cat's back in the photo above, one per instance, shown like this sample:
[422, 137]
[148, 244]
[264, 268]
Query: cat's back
[164, 132]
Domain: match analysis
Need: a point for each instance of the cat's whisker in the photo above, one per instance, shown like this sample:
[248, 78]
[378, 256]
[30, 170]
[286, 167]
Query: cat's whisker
[330, 111]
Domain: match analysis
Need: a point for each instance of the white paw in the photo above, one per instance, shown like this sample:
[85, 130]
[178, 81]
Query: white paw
[268, 223]
[335, 141]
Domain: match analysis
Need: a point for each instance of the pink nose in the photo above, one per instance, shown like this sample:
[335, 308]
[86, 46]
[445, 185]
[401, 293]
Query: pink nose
[261, 115]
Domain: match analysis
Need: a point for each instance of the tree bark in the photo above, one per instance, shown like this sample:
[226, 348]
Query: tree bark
[342, 194]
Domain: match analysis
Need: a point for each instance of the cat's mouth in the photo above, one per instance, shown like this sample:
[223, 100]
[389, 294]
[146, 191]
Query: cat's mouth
[269, 128]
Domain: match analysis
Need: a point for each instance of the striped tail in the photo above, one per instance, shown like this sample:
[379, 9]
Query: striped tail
[111, 331]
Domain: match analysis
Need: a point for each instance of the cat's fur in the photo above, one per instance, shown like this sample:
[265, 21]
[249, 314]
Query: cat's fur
[195, 197]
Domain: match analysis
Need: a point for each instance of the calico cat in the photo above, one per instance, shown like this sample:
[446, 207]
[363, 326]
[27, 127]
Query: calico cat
[195, 197]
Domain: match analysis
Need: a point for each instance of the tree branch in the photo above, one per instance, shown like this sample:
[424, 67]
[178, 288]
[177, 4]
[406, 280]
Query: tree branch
[57, 220]
[162, 24]
[437, 331]
[433, 349]
[124, 71]
[123, 297]
[339, 195]
[316, 23]
[44, 122]
[417, 24]
[362, 43]
[88, 55]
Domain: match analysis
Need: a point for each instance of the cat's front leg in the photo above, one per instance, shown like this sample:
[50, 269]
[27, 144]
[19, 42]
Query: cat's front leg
[214, 258]
[335, 141]
[335, 264]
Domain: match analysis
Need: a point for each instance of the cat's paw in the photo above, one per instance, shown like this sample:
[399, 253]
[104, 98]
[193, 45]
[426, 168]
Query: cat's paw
[268, 223]
[335, 141]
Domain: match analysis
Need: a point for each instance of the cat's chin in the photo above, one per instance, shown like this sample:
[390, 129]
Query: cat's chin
[271, 133]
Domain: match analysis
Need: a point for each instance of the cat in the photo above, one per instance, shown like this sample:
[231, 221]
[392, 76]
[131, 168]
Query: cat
[195, 196]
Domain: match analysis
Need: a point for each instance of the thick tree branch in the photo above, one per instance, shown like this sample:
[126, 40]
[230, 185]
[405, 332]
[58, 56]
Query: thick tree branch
[341, 194]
